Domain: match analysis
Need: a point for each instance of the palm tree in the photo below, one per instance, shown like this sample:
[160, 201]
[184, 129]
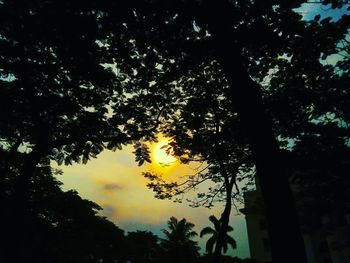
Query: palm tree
[214, 232]
[178, 244]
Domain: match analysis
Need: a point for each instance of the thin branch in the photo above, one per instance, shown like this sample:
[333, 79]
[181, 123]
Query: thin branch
[237, 190]
[193, 185]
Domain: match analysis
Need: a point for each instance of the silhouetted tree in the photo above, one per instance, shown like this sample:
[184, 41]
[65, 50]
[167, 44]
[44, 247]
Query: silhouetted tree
[60, 226]
[59, 101]
[60, 97]
[178, 245]
[203, 133]
[244, 60]
[214, 232]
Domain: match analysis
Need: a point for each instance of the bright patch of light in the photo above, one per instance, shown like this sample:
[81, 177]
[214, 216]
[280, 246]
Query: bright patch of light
[162, 153]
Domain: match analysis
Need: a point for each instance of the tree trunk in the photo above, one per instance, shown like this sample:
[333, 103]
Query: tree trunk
[246, 98]
[224, 222]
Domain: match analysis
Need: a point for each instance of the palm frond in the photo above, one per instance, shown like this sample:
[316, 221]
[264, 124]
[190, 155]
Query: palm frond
[191, 234]
[231, 241]
[172, 223]
[210, 244]
[166, 233]
[215, 222]
[229, 228]
[207, 230]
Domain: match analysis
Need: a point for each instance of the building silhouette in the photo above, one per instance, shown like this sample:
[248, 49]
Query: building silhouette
[327, 239]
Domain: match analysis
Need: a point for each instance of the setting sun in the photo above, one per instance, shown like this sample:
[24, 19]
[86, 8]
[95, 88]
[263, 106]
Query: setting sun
[161, 154]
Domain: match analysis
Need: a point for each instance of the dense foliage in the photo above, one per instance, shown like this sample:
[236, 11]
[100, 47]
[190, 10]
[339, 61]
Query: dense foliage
[234, 83]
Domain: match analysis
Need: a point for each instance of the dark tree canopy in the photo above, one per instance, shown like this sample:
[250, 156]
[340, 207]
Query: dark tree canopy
[60, 226]
[143, 246]
[232, 82]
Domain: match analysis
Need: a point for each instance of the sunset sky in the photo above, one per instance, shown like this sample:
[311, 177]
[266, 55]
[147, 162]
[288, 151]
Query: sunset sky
[114, 181]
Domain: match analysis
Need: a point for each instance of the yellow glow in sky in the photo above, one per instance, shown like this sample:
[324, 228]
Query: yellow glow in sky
[161, 153]
[115, 182]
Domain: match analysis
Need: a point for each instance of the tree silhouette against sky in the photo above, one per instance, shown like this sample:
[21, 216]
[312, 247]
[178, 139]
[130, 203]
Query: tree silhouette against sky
[77, 78]
[178, 243]
[214, 236]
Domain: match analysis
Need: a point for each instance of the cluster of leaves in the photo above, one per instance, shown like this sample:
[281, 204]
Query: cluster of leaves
[204, 130]
[307, 96]
[204, 125]
[75, 79]
[71, 81]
